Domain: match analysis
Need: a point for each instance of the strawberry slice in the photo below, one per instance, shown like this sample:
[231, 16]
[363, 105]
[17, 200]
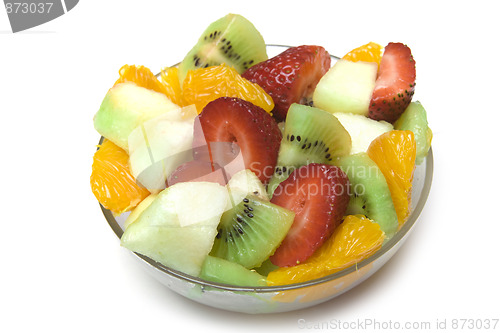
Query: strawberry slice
[395, 83]
[318, 194]
[256, 133]
[291, 76]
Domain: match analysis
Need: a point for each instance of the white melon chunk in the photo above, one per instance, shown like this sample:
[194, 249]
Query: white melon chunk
[158, 146]
[346, 87]
[136, 212]
[178, 228]
[362, 130]
[242, 184]
[127, 106]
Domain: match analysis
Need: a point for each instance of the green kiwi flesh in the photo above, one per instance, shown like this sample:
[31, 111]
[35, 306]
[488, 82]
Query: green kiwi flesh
[415, 119]
[311, 135]
[370, 194]
[232, 40]
[223, 271]
[251, 231]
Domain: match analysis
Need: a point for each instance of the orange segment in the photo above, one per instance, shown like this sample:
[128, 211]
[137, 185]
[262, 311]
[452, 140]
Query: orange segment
[395, 152]
[111, 181]
[324, 290]
[143, 77]
[170, 78]
[355, 239]
[204, 85]
[371, 52]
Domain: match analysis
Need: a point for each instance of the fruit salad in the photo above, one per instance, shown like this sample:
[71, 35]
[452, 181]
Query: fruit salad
[246, 170]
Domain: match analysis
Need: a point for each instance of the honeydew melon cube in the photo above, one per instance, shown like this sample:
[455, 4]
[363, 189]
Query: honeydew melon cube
[178, 228]
[159, 145]
[346, 87]
[224, 271]
[362, 130]
[137, 211]
[243, 184]
[126, 106]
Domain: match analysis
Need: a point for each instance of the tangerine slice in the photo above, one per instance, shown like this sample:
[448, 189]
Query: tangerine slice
[395, 152]
[170, 78]
[111, 181]
[371, 52]
[355, 239]
[143, 77]
[204, 85]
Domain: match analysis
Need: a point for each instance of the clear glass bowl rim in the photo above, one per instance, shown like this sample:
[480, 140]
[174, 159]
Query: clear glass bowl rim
[429, 165]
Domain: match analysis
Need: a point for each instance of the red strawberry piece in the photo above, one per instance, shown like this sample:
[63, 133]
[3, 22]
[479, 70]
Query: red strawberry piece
[256, 133]
[318, 194]
[291, 76]
[395, 83]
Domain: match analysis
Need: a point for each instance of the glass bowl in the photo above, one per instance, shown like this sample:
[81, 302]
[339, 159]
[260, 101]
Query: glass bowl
[294, 296]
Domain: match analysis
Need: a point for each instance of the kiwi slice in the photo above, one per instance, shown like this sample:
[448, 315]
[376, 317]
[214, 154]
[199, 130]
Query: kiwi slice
[251, 231]
[232, 40]
[311, 136]
[415, 119]
[370, 194]
[222, 271]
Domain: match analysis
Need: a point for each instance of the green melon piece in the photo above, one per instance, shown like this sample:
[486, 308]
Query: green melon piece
[346, 87]
[178, 228]
[137, 211]
[415, 119]
[127, 106]
[223, 271]
[159, 145]
[242, 184]
[362, 129]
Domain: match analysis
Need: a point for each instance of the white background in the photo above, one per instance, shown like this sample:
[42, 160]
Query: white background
[62, 267]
